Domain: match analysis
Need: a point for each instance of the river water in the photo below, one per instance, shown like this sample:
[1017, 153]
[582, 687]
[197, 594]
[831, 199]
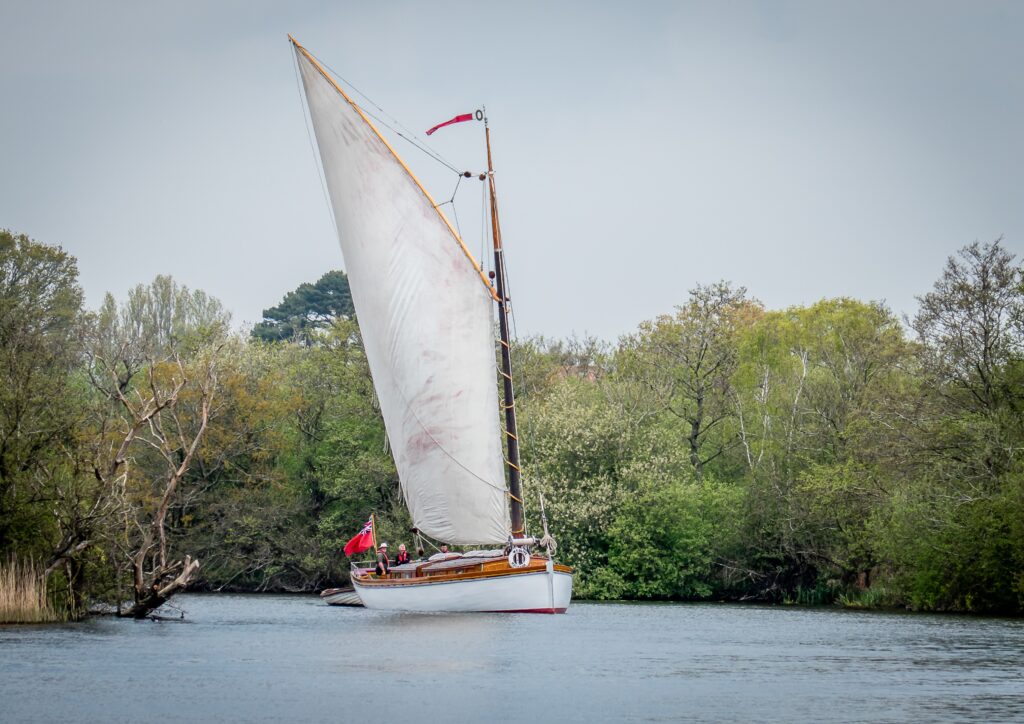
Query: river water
[291, 658]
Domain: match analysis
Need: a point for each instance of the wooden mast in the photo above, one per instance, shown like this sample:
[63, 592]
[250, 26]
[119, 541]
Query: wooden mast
[515, 486]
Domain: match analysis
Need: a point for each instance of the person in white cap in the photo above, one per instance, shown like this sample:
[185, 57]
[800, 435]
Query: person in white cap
[383, 564]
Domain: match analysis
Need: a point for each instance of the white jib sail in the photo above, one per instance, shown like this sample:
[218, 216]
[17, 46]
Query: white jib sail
[426, 320]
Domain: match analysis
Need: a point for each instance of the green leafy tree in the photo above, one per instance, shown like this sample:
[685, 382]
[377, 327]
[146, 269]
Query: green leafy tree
[250, 519]
[341, 451]
[670, 534]
[816, 394]
[953, 531]
[155, 363]
[688, 361]
[41, 508]
[308, 308]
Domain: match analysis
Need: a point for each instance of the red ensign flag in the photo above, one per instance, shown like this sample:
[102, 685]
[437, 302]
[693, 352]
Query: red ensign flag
[362, 541]
[457, 119]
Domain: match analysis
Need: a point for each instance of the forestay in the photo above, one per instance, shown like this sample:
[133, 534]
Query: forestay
[426, 319]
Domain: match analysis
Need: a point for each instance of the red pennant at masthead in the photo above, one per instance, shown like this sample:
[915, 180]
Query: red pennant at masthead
[361, 541]
[457, 119]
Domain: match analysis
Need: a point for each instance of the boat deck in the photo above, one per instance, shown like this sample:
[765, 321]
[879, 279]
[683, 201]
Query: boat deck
[452, 567]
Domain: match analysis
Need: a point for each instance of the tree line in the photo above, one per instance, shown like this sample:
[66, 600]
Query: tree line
[722, 451]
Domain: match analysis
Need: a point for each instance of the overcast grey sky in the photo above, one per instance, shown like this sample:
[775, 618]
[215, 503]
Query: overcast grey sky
[801, 149]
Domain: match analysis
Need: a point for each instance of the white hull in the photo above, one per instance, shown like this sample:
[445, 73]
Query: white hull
[529, 592]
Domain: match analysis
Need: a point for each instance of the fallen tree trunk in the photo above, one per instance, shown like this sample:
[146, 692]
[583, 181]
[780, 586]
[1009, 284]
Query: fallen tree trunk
[165, 585]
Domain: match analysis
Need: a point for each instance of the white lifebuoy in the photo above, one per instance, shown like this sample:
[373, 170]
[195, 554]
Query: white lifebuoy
[519, 557]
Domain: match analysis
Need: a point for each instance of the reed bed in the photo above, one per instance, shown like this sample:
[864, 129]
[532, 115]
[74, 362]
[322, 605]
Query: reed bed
[23, 596]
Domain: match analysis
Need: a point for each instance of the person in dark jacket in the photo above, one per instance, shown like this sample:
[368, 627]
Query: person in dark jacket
[403, 555]
[383, 564]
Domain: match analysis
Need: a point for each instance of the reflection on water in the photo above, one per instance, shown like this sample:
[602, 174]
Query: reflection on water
[283, 658]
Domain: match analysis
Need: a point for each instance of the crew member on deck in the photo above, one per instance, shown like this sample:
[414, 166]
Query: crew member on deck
[403, 555]
[441, 554]
[383, 565]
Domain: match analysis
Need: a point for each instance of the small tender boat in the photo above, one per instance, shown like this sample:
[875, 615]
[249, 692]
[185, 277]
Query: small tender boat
[341, 597]
[426, 312]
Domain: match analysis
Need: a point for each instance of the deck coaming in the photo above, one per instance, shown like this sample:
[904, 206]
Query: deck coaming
[425, 573]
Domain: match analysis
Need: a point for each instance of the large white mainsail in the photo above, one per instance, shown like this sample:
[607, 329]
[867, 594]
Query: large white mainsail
[426, 319]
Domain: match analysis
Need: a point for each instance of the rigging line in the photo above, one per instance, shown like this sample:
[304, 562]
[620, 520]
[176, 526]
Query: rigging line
[455, 210]
[401, 135]
[307, 122]
[425, 150]
[483, 221]
[455, 213]
[359, 111]
[508, 293]
[458, 183]
[418, 143]
[421, 536]
[352, 86]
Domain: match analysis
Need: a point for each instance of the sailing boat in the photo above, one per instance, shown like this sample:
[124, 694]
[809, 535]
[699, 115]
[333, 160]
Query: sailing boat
[426, 313]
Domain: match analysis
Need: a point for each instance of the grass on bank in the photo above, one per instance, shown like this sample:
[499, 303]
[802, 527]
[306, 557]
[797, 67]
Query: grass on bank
[874, 597]
[23, 594]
